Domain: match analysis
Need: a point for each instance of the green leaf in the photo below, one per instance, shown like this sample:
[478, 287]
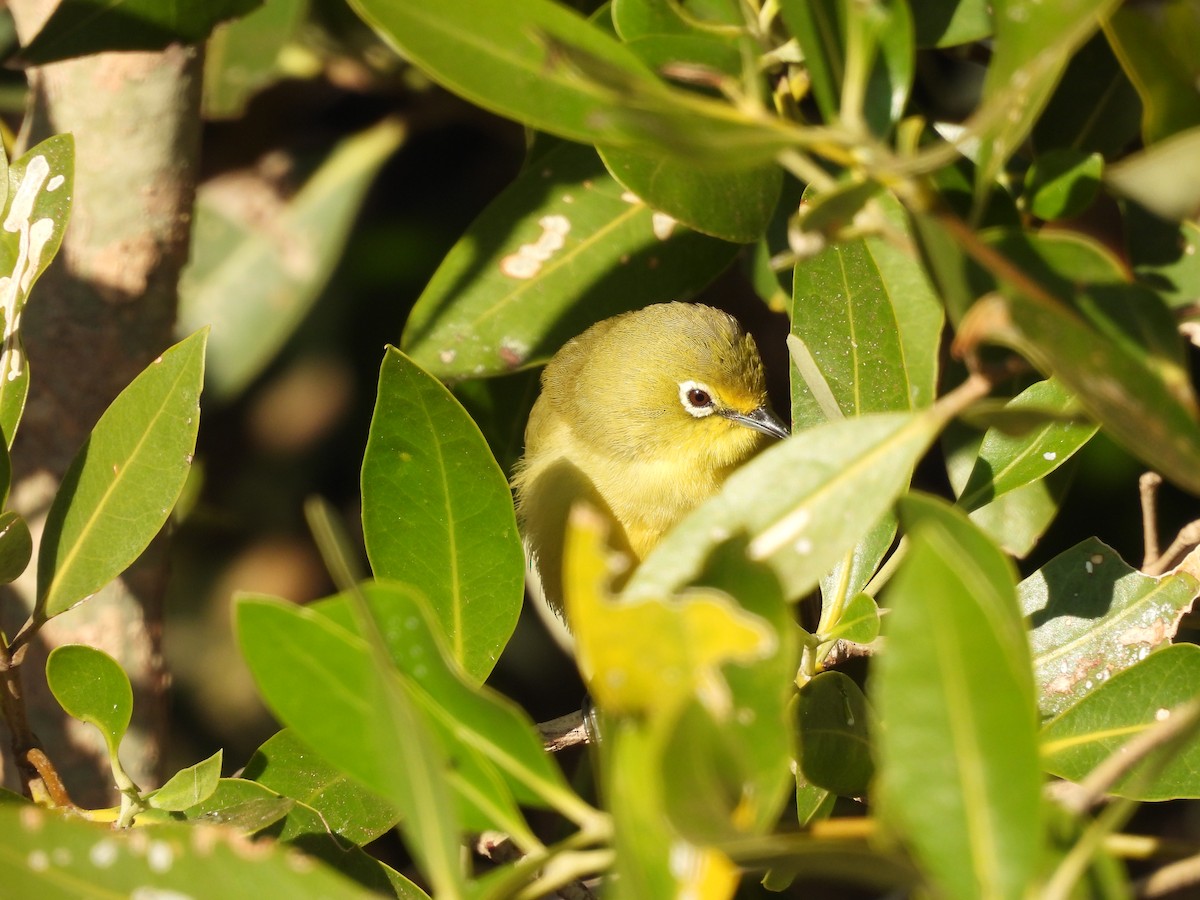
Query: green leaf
[242, 57]
[859, 621]
[83, 27]
[91, 686]
[328, 685]
[1158, 45]
[437, 512]
[288, 767]
[1165, 255]
[1007, 462]
[948, 23]
[1091, 615]
[634, 19]
[472, 721]
[255, 809]
[1017, 520]
[1094, 108]
[858, 56]
[853, 572]
[734, 206]
[1164, 178]
[959, 778]
[563, 247]
[546, 66]
[121, 487]
[254, 284]
[835, 750]
[801, 504]
[38, 189]
[93, 862]
[189, 786]
[1033, 42]
[871, 321]
[16, 546]
[651, 655]
[1115, 346]
[1122, 708]
[1062, 183]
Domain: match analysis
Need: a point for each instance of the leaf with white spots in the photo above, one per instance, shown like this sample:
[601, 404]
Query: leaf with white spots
[437, 512]
[54, 856]
[119, 491]
[1008, 461]
[38, 204]
[563, 247]
[1091, 616]
[1125, 706]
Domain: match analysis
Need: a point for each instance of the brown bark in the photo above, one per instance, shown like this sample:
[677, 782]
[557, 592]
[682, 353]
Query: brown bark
[102, 311]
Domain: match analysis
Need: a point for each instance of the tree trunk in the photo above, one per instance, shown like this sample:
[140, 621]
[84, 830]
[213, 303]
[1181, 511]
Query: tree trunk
[103, 311]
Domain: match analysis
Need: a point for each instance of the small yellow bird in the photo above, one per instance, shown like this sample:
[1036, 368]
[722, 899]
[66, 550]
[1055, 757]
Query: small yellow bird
[644, 415]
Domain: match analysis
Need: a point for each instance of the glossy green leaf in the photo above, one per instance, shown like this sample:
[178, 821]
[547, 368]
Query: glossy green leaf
[1007, 462]
[477, 726]
[242, 56]
[733, 206]
[1114, 345]
[1164, 178]
[812, 803]
[1063, 183]
[947, 23]
[871, 321]
[551, 69]
[1017, 520]
[16, 546]
[640, 18]
[288, 767]
[1094, 108]
[835, 749]
[1091, 615]
[83, 27]
[437, 512]
[1159, 46]
[39, 188]
[328, 685]
[1165, 255]
[255, 809]
[760, 692]
[189, 786]
[92, 862]
[859, 58]
[1122, 708]
[1033, 42]
[254, 284]
[859, 621]
[653, 859]
[956, 750]
[853, 571]
[801, 504]
[121, 487]
[91, 686]
[563, 247]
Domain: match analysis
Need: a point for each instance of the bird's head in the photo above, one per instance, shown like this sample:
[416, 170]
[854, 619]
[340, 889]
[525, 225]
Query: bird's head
[672, 380]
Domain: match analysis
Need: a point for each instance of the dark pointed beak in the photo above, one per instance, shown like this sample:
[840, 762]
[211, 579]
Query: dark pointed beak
[761, 419]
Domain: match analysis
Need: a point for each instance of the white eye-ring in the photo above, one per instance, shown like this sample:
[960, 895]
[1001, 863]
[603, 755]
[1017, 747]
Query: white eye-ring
[697, 398]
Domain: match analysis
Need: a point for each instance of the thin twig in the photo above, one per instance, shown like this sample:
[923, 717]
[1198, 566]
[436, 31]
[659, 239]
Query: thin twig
[1170, 878]
[1148, 486]
[563, 732]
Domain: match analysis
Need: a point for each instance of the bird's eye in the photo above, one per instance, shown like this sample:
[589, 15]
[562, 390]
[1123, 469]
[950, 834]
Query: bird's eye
[696, 398]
